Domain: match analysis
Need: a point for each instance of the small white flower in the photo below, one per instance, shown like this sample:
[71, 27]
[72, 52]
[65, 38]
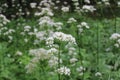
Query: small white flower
[73, 60]
[116, 45]
[71, 20]
[87, 1]
[98, 74]
[65, 9]
[50, 41]
[115, 36]
[80, 69]
[64, 37]
[84, 24]
[118, 41]
[64, 71]
[118, 3]
[26, 40]
[27, 28]
[33, 5]
[19, 53]
[54, 61]
[88, 8]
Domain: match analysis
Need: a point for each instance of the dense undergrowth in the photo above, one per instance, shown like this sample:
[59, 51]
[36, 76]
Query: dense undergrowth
[60, 45]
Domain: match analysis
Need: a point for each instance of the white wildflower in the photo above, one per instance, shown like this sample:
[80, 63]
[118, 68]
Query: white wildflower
[19, 53]
[27, 28]
[87, 1]
[80, 69]
[65, 9]
[115, 36]
[88, 8]
[64, 37]
[73, 60]
[54, 61]
[98, 74]
[116, 45]
[50, 41]
[64, 71]
[33, 5]
[71, 20]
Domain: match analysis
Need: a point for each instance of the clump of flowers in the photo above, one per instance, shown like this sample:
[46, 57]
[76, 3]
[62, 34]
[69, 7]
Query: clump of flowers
[116, 38]
[106, 2]
[88, 8]
[98, 74]
[118, 3]
[80, 70]
[46, 21]
[53, 61]
[61, 37]
[71, 20]
[64, 71]
[82, 26]
[76, 4]
[87, 1]
[64, 37]
[39, 54]
[33, 5]
[19, 53]
[65, 9]
[3, 20]
[44, 11]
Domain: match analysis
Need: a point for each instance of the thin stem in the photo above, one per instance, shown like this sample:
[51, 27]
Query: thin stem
[59, 78]
[79, 48]
[98, 43]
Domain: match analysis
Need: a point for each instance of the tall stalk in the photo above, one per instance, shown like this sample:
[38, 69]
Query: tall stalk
[59, 77]
[79, 49]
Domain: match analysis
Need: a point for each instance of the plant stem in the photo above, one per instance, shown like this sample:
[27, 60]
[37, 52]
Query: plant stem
[59, 78]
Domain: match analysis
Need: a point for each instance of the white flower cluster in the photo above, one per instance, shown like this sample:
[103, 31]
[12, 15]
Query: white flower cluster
[33, 5]
[64, 71]
[82, 26]
[40, 54]
[3, 20]
[106, 2]
[71, 51]
[54, 61]
[61, 37]
[64, 37]
[81, 70]
[71, 20]
[76, 4]
[98, 74]
[44, 11]
[50, 41]
[65, 9]
[18, 53]
[30, 67]
[87, 1]
[47, 21]
[116, 37]
[27, 28]
[46, 3]
[88, 8]
[118, 3]
[73, 60]
[4, 31]
[41, 35]
[58, 25]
